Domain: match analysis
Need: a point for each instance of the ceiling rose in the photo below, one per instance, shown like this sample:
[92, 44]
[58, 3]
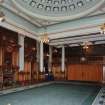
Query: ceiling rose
[58, 10]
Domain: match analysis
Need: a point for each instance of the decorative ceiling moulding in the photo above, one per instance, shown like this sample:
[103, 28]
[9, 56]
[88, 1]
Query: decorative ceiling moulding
[92, 38]
[71, 38]
[57, 10]
[16, 28]
[76, 32]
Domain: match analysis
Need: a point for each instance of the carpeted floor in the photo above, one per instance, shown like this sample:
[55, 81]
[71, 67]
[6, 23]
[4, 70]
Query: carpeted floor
[55, 94]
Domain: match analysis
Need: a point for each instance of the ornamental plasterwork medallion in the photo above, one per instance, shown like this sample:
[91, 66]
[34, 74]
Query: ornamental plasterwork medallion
[58, 10]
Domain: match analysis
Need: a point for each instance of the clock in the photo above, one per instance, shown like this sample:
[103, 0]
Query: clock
[57, 10]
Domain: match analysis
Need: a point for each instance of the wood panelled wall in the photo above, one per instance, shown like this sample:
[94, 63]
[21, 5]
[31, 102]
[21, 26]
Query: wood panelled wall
[9, 58]
[90, 70]
[85, 72]
[1, 55]
[57, 73]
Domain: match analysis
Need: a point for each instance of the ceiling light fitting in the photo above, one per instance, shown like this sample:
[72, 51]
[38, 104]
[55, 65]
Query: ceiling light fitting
[102, 29]
[83, 59]
[44, 37]
[86, 44]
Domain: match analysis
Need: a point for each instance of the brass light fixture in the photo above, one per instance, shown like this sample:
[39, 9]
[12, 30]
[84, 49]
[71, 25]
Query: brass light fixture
[83, 59]
[44, 37]
[86, 44]
[102, 29]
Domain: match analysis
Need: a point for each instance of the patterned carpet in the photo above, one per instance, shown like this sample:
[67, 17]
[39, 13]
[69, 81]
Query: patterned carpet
[55, 94]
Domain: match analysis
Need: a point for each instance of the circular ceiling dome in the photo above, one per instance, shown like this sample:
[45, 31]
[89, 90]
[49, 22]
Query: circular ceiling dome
[58, 10]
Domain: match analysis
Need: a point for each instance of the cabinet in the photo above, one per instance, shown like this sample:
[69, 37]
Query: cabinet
[8, 65]
[85, 72]
[7, 76]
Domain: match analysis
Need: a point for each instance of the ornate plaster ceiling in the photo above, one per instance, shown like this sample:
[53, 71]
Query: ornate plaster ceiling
[58, 10]
[57, 31]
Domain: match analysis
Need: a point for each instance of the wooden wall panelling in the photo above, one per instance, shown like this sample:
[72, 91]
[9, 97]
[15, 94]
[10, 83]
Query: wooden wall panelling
[15, 63]
[93, 72]
[29, 73]
[1, 54]
[25, 76]
[57, 73]
[15, 58]
[1, 72]
[27, 70]
[56, 69]
[74, 72]
[85, 72]
[1, 78]
[34, 71]
[100, 72]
